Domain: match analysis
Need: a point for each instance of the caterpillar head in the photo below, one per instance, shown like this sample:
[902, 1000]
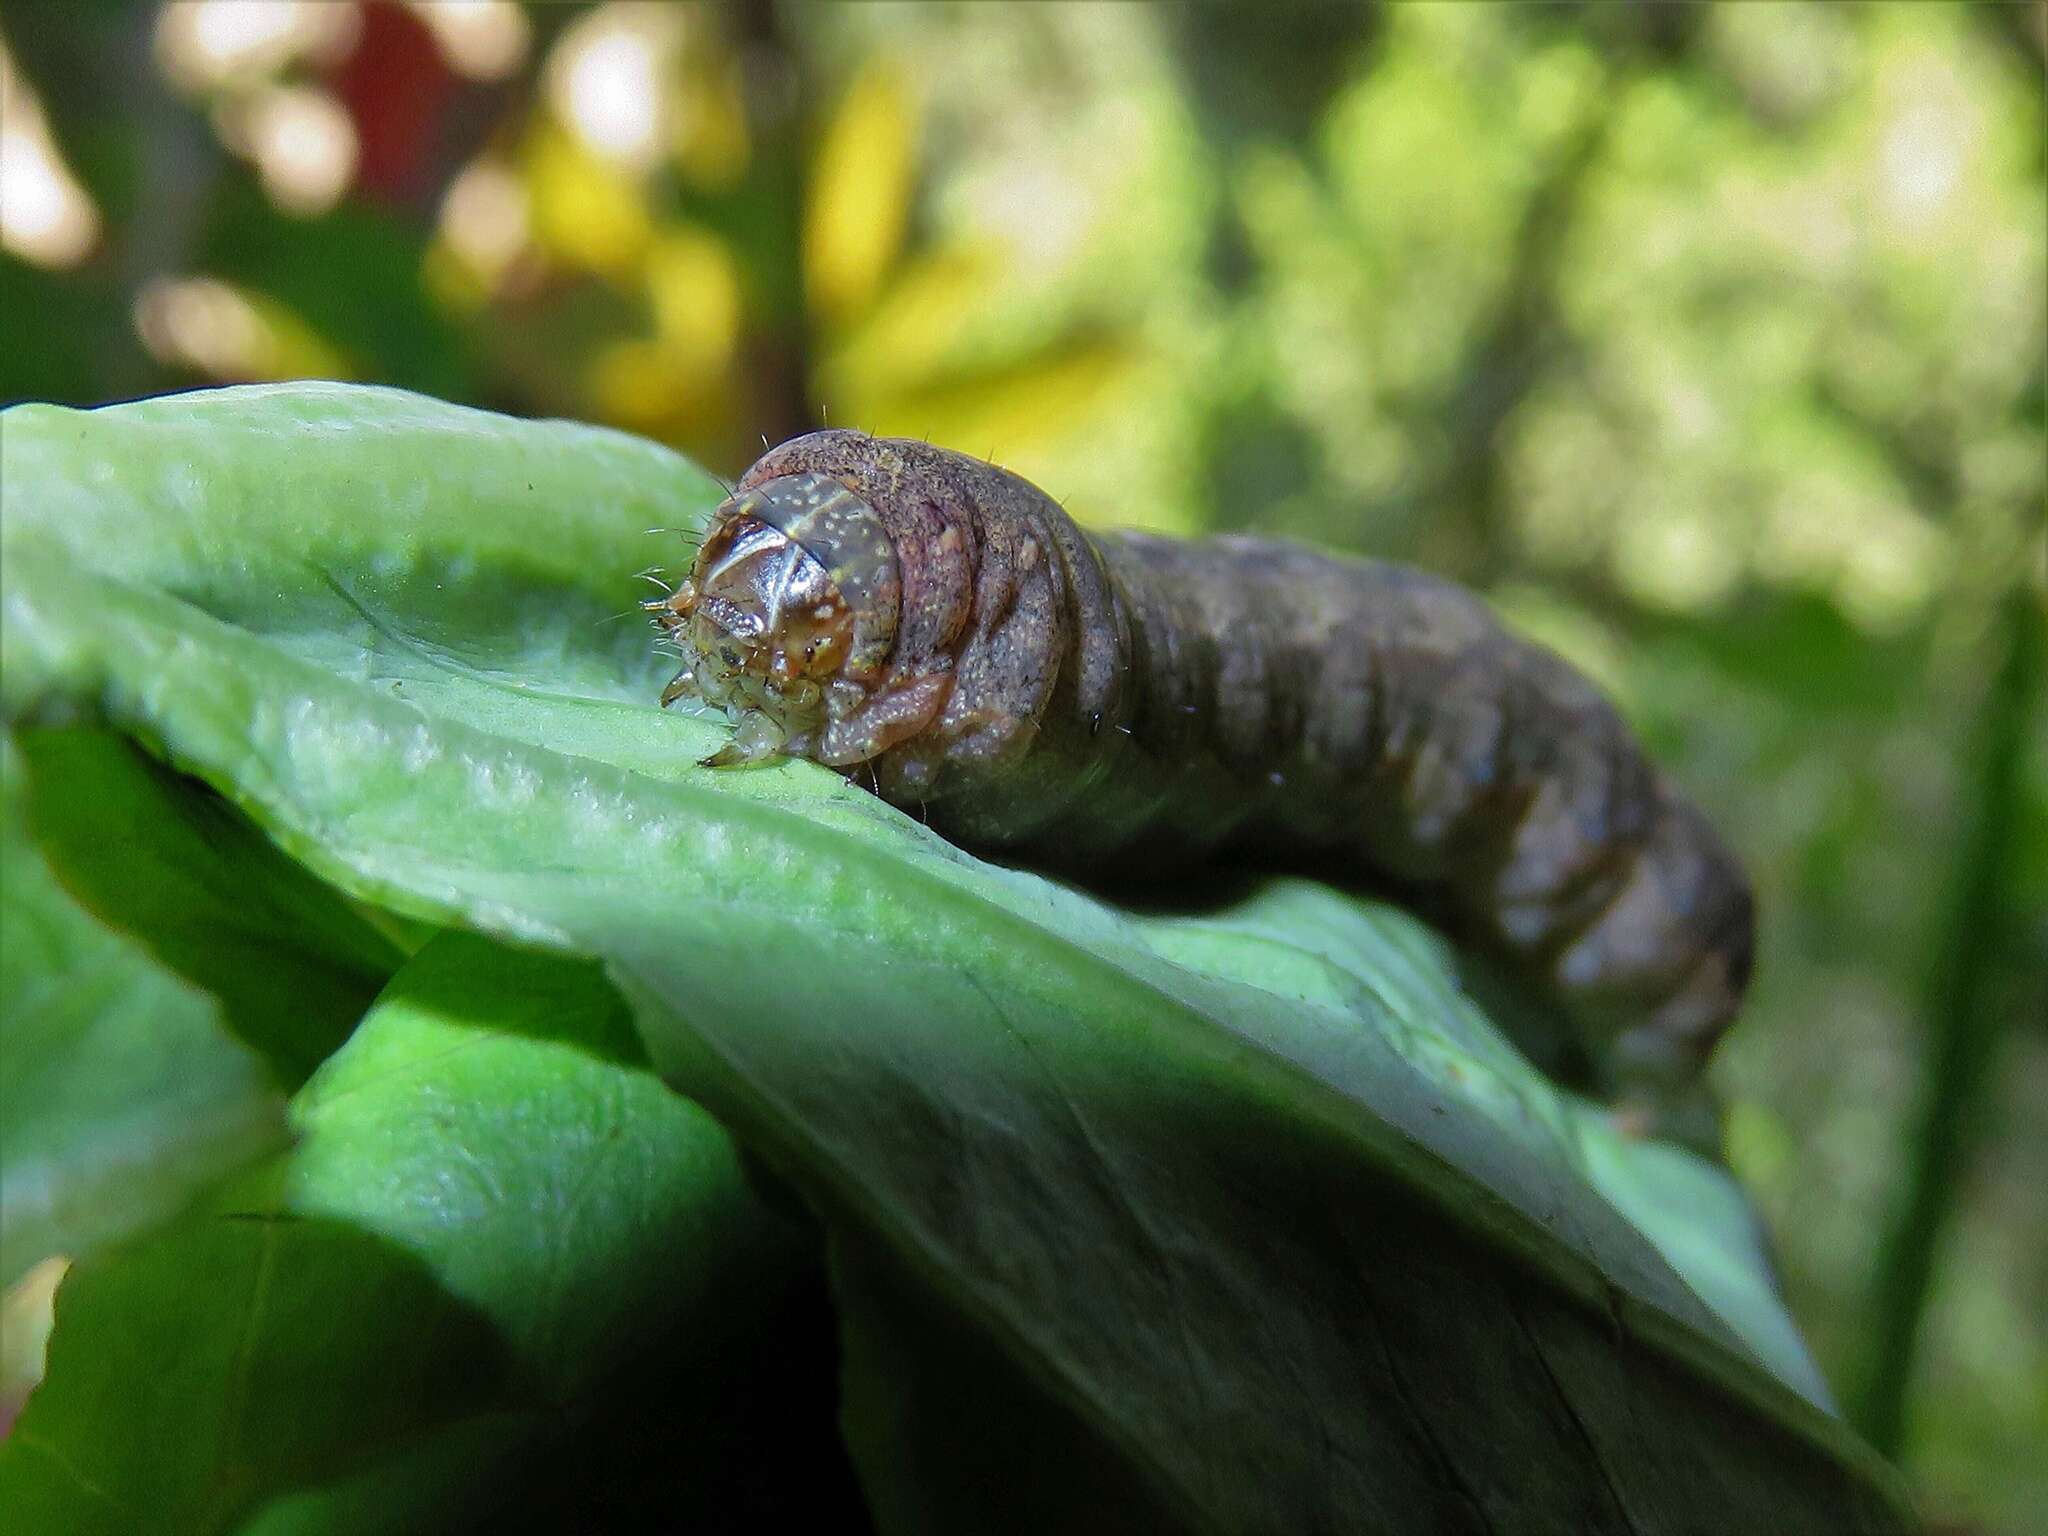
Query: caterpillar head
[787, 615]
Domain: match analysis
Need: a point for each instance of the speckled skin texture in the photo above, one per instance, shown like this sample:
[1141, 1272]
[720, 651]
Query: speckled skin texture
[1119, 702]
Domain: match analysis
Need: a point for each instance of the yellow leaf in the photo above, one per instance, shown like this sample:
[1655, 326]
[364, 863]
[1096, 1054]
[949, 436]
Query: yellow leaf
[1015, 410]
[711, 144]
[859, 196]
[694, 288]
[638, 384]
[915, 330]
[584, 211]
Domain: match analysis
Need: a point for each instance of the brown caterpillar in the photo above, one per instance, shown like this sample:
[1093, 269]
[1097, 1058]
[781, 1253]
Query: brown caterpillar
[1124, 701]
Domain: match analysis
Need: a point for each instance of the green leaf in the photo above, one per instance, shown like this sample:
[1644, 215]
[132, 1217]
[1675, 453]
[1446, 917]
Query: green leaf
[225, 1348]
[291, 963]
[122, 1094]
[1256, 1201]
[501, 1255]
[495, 1113]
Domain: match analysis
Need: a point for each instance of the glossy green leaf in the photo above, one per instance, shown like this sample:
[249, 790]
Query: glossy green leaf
[291, 963]
[1256, 1199]
[122, 1094]
[501, 1257]
[230, 1344]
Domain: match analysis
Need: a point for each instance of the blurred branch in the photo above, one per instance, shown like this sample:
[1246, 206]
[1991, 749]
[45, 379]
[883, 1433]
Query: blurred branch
[2023, 24]
[148, 161]
[1510, 351]
[1926, 462]
[1524, 335]
[1964, 1029]
[1270, 71]
[181, 163]
[778, 348]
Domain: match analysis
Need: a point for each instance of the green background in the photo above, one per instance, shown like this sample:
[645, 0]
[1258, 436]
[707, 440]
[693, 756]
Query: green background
[1708, 341]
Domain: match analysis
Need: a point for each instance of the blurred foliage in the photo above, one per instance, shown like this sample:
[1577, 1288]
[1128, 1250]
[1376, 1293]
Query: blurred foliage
[1708, 340]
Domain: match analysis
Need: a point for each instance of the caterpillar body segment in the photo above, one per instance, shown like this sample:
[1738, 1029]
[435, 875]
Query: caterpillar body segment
[1117, 701]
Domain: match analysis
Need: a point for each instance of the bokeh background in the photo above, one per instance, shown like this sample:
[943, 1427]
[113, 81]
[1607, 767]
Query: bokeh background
[1707, 340]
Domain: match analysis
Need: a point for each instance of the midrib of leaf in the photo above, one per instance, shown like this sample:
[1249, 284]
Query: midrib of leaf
[224, 1495]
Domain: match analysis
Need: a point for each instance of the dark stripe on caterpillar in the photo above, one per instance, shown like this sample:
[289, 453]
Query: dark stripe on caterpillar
[1115, 700]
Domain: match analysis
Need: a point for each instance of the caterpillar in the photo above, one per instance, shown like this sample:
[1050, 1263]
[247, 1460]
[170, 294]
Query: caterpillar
[1094, 702]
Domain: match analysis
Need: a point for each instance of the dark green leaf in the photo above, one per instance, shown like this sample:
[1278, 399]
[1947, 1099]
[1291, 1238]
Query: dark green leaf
[229, 1346]
[121, 1093]
[502, 1262]
[165, 860]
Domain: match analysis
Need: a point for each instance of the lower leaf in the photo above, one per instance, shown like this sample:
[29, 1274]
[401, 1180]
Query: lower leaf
[501, 1251]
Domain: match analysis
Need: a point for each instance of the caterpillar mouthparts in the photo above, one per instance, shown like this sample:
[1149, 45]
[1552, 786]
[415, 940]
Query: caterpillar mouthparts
[1116, 700]
[785, 618]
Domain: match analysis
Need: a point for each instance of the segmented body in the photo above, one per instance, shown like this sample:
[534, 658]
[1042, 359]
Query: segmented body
[1119, 701]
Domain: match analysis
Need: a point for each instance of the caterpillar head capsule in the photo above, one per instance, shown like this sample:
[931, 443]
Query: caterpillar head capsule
[787, 615]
